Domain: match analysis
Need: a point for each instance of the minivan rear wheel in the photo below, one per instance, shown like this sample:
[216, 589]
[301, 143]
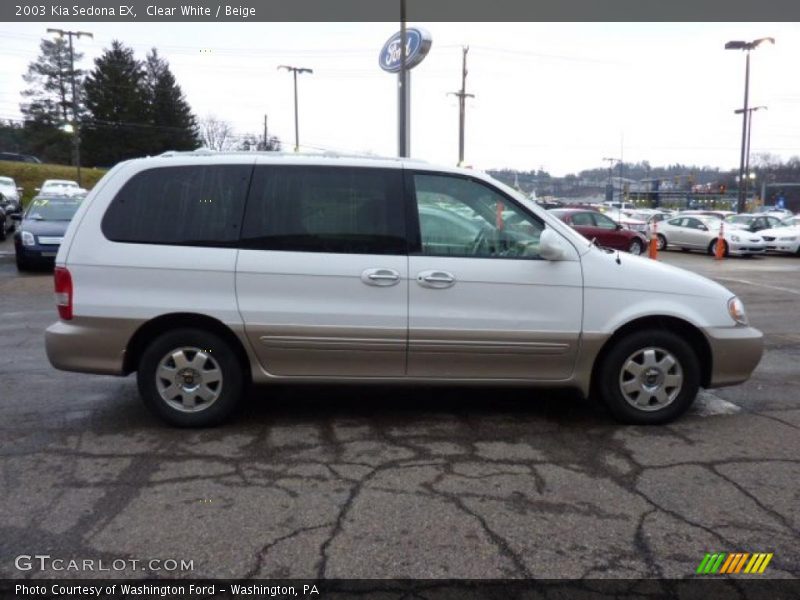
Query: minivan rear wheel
[190, 378]
[649, 377]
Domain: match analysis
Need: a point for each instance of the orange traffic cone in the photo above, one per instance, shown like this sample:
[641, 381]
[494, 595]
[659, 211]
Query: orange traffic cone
[653, 249]
[719, 249]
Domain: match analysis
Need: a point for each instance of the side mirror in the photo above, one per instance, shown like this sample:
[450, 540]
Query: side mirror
[619, 226]
[552, 246]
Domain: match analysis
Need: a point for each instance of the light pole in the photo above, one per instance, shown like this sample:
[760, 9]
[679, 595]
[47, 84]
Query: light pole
[750, 112]
[295, 71]
[747, 47]
[76, 134]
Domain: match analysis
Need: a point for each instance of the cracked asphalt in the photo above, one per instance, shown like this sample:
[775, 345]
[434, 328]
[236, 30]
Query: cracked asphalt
[367, 482]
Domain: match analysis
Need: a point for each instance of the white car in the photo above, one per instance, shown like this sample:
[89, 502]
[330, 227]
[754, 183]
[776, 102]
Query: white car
[60, 187]
[206, 273]
[784, 239]
[9, 190]
[699, 232]
[627, 221]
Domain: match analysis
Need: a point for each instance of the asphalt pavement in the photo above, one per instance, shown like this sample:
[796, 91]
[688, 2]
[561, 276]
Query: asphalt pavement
[366, 482]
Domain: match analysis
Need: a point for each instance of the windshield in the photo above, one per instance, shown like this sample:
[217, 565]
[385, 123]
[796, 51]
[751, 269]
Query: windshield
[710, 222]
[52, 210]
[6, 182]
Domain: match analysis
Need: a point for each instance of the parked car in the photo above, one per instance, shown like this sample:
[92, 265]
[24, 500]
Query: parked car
[781, 213]
[717, 214]
[701, 232]
[42, 229]
[596, 226]
[752, 223]
[60, 187]
[16, 157]
[7, 223]
[791, 221]
[9, 191]
[203, 274]
[784, 238]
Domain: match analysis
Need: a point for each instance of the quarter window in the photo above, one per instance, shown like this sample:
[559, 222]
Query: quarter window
[460, 217]
[190, 206]
[326, 209]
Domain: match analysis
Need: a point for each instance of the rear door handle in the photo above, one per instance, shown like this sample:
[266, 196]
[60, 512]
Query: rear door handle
[435, 279]
[380, 277]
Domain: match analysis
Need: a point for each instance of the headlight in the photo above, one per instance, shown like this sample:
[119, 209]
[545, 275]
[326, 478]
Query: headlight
[734, 238]
[27, 238]
[736, 311]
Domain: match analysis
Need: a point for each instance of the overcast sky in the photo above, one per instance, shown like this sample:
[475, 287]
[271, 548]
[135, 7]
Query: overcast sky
[560, 96]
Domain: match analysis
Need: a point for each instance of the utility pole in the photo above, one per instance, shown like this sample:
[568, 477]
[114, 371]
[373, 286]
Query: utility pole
[295, 71]
[76, 134]
[265, 132]
[462, 104]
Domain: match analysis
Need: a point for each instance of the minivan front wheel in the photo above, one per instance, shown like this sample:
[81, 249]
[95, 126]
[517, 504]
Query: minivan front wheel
[190, 378]
[649, 377]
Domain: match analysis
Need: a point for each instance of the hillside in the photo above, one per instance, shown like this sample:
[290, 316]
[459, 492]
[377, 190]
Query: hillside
[31, 175]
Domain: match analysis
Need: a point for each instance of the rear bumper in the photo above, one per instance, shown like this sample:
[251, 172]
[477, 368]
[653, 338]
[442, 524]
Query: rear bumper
[735, 353]
[95, 348]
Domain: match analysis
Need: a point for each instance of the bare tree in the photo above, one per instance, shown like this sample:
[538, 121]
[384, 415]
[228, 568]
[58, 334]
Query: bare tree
[216, 133]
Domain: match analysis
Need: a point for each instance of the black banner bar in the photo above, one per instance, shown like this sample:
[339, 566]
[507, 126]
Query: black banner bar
[389, 10]
[708, 588]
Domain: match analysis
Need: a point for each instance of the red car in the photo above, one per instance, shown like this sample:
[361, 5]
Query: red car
[596, 226]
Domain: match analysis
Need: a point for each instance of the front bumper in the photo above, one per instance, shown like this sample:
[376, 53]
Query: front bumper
[735, 353]
[746, 247]
[36, 254]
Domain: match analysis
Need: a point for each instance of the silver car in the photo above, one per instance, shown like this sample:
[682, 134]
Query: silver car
[700, 232]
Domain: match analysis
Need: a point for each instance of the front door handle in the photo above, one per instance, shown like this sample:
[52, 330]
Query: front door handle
[380, 277]
[436, 279]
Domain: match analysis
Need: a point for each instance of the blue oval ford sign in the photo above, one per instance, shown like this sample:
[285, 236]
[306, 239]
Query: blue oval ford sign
[418, 42]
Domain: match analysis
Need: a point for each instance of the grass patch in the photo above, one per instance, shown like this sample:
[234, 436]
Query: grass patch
[32, 175]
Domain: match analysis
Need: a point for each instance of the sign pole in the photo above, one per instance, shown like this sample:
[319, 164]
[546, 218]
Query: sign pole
[401, 53]
[403, 97]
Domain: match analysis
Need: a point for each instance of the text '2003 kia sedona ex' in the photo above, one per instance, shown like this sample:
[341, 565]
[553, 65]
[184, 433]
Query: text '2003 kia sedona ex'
[204, 273]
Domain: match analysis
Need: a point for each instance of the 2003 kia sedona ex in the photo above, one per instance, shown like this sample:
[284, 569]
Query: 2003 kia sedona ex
[206, 272]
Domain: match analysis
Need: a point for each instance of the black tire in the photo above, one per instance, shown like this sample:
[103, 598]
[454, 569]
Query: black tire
[609, 377]
[22, 265]
[220, 356]
[712, 247]
[662, 242]
[636, 247]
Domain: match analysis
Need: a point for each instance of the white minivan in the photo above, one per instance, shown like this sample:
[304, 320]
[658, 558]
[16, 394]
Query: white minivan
[207, 272]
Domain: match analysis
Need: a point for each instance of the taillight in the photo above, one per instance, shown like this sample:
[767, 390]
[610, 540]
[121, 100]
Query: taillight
[63, 281]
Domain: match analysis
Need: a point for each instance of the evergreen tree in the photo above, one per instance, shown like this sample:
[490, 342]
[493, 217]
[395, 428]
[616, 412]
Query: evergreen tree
[116, 103]
[174, 127]
[48, 102]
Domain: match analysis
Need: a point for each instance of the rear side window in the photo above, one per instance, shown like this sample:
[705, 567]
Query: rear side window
[187, 206]
[326, 209]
